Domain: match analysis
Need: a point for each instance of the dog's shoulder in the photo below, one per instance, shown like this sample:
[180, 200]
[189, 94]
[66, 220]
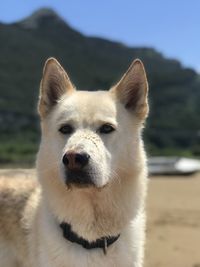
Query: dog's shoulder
[14, 194]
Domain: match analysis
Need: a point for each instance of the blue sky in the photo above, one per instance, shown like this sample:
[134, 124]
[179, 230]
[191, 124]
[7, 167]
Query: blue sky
[172, 27]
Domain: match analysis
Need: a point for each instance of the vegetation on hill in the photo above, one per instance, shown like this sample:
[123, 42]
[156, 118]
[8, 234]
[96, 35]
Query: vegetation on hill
[93, 63]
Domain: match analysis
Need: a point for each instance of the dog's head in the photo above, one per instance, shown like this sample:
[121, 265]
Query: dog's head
[88, 138]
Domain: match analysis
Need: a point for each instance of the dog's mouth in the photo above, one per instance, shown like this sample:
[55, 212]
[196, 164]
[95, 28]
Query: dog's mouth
[79, 178]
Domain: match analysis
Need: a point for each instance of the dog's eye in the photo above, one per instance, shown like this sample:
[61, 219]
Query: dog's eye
[66, 129]
[106, 129]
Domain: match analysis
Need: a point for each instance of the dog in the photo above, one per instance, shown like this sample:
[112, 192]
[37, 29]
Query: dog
[87, 207]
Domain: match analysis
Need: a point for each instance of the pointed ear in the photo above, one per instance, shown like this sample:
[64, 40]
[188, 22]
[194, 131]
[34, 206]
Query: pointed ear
[132, 89]
[55, 83]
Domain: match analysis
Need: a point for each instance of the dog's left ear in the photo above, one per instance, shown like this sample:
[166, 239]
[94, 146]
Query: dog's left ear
[55, 83]
[132, 90]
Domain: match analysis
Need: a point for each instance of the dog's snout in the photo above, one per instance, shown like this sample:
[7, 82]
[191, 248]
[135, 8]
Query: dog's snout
[73, 160]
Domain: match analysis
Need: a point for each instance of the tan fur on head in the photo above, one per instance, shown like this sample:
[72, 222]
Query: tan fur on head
[55, 82]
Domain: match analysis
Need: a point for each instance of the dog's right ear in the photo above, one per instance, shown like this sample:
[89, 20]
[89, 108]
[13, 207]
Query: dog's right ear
[55, 83]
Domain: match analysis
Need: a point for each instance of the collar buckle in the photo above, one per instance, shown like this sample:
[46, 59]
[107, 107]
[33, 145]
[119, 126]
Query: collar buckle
[105, 246]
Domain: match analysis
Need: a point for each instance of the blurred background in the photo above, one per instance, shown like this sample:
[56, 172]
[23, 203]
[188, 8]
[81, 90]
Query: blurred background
[96, 42]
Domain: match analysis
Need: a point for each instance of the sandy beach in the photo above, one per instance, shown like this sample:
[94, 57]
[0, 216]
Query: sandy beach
[173, 222]
[173, 219]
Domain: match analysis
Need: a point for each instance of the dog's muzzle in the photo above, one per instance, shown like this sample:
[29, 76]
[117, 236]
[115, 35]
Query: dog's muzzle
[76, 168]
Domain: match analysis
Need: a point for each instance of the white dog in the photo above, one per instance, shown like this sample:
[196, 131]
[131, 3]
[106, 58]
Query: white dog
[88, 208]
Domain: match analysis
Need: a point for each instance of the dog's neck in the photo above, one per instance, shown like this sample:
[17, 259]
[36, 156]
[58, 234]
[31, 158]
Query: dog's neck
[102, 243]
[96, 213]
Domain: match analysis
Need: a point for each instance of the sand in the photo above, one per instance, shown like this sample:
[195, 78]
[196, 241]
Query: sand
[173, 225]
[173, 220]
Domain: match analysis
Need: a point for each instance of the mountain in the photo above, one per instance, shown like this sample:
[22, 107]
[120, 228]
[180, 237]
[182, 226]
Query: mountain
[92, 63]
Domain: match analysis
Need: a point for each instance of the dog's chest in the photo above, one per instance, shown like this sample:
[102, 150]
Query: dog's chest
[74, 256]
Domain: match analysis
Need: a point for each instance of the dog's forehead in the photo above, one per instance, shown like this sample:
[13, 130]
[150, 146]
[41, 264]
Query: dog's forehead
[97, 105]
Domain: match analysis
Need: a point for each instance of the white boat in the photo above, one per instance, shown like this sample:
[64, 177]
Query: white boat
[173, 165]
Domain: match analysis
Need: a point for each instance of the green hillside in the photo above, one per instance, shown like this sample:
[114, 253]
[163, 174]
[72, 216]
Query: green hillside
[93, 63]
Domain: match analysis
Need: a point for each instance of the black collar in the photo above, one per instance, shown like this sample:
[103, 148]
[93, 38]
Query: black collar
[103, 242]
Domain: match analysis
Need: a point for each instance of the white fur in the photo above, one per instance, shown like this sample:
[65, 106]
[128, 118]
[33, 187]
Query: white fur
[117, 166]
[116, 208]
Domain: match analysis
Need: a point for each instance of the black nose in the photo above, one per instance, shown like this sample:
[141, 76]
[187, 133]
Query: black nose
[74, 160]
